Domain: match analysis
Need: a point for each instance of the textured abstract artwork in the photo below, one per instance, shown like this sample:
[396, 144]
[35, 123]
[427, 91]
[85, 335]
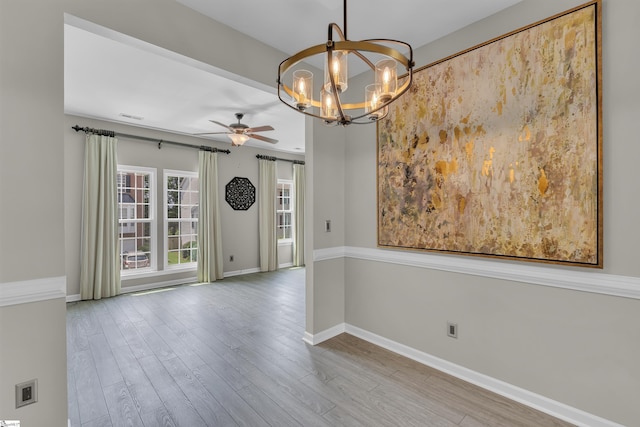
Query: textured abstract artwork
[496, 151]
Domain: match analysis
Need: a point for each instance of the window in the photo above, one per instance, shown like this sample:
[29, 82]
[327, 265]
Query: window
[284, 211]
[136, 220]
[181, 218]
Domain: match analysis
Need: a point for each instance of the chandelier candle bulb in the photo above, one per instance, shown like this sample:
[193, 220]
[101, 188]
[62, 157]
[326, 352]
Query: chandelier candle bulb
[338, 68]
[372, 101]
[302, 89]
[387, 78]
[328, 108]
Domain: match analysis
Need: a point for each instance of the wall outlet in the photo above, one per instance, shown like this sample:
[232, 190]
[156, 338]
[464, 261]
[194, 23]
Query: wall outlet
[327, 226]
[452, 329]
[26, 393]
[231, 258]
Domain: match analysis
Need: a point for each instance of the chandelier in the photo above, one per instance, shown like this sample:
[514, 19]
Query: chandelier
[331, 103]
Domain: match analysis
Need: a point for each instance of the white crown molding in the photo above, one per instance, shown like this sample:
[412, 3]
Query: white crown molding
[533, 400]
[26, 291]
[558, 277]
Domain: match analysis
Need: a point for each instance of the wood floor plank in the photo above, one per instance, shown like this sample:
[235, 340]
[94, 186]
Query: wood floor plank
[348, 410]
[72, 396]
[270, 374]
[122, 409]
[243, 414]
[178, 405]
[488, 407]
[292, 401]
[135, 340]
[207, 406]
[159, 417]
[142, 392]
[269, 410]
[154, 341]
[105, 363]
[91, 402]
[184, 352]
[416, 403]
[103, 421]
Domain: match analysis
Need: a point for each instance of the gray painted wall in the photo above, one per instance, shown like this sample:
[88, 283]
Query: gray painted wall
[574, 347]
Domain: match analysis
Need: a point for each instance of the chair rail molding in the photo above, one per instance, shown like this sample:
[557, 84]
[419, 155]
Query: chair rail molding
[26, 291]
[557, 277]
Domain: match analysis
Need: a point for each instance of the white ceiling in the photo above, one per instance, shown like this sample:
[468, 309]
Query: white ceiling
[170, 92]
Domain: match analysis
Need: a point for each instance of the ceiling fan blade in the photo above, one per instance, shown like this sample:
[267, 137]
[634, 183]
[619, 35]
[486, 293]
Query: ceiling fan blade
[258, 129]
[223, 125]
[262, 138]
[210, 133]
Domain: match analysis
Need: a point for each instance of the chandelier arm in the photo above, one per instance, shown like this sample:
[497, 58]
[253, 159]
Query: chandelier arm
[334, 26]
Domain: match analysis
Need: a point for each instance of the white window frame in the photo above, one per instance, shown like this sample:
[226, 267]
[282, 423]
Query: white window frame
[152, 220]
[289, 182]
[179, 173]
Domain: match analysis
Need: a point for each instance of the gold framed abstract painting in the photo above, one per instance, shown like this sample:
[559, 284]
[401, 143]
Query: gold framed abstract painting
[497, 151]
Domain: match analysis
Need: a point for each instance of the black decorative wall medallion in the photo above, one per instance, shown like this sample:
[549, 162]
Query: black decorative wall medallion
[240, 193]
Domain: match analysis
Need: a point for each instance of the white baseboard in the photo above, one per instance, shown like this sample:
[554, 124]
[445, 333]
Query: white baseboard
[241, 272]
[145, 287]
[167, 283]
[533, 400]
[324, 335]
[26, 291]
[73, 298]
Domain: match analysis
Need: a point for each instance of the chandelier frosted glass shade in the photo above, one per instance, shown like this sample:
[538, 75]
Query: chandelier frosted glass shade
[330, 100]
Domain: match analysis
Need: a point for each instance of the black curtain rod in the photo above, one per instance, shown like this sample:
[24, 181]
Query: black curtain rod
[144, 138]
[273, 159]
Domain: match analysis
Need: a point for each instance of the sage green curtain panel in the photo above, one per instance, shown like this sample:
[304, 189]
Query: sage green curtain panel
[210, 260]
[267, 216]
[298, 213]
[100, 251]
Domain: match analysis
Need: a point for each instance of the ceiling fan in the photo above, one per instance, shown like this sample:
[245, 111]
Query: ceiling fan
[239, 133]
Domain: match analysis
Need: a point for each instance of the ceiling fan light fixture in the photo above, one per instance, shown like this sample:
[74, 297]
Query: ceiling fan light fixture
[238, 138]
[383, 60]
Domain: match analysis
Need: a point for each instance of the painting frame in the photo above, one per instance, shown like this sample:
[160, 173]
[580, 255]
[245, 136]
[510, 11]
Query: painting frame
[501, 189]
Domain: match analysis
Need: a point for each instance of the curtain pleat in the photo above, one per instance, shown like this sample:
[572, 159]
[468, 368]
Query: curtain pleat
[210, 260]
[267, 216]
[100, 251]
[298, 213]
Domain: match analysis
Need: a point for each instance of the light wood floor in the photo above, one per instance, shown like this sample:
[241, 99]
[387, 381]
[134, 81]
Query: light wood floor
[231, 353]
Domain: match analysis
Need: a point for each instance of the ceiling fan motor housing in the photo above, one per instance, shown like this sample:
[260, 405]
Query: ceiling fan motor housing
[239, 127]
